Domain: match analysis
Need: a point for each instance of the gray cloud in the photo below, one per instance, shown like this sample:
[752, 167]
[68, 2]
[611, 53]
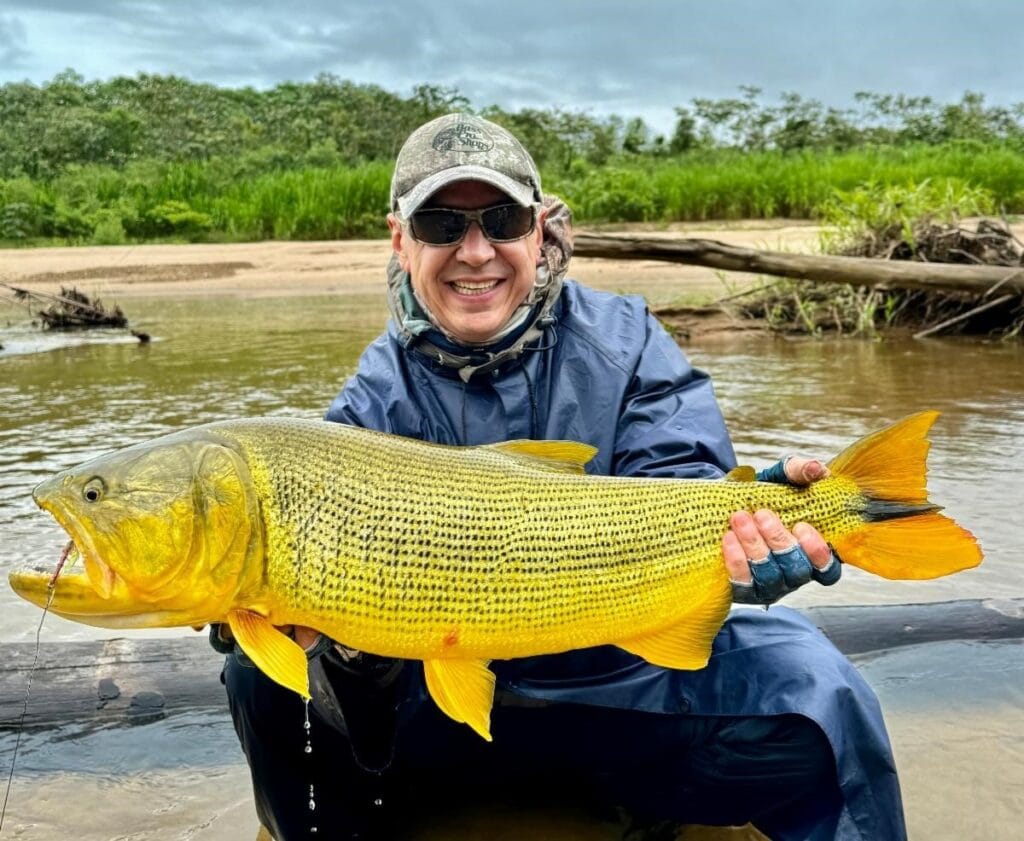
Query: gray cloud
[13, 53]
[630, 58]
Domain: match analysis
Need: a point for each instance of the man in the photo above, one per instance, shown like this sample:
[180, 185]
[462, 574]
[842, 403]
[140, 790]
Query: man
[489, 342]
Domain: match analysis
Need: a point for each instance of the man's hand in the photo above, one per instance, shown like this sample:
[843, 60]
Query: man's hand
[766, 560]
[305, 637]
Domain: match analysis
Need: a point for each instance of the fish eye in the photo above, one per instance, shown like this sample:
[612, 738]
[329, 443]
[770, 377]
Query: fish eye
[94, 489]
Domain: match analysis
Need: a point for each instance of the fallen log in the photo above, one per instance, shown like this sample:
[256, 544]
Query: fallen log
[855, 271]
[122, 682]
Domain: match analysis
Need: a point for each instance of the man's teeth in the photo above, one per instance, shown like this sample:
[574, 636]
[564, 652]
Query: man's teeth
[474, 288]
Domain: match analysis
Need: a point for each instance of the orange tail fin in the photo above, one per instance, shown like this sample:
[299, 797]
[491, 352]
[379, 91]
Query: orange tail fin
[903, 536]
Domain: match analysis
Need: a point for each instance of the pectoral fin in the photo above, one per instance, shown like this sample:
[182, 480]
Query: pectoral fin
[276, 655]
[685, 644]
[464, 690]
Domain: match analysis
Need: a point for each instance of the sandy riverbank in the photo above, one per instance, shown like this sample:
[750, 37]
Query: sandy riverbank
[351, 267]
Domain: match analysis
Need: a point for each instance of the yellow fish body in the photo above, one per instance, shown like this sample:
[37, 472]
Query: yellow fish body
[449, 555]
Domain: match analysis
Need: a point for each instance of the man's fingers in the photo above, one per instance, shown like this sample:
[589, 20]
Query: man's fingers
[803, 471]
[735, 559]
[765, 560]
[306, 637]
[813, 544]
[772, 531]
[749, 535]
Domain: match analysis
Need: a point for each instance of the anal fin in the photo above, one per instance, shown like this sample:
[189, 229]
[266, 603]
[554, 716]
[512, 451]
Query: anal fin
[279, 657]
[464, 690]
[686, 643]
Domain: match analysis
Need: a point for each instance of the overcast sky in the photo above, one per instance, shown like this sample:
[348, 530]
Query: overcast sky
[631, 58]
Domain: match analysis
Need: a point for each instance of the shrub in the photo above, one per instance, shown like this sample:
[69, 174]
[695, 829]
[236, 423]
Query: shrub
[108, 228]
[177, 218]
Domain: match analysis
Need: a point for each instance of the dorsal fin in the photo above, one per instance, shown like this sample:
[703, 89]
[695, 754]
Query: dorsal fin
[559, 456]
[743, 473]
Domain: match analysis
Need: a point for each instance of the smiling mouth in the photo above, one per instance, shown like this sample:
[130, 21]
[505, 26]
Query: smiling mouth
[470, 288]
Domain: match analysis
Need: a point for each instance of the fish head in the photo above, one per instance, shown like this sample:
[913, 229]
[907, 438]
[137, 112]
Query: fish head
[167, 530]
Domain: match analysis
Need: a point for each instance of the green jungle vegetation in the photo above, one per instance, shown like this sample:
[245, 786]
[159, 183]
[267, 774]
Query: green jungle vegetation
[162, 158]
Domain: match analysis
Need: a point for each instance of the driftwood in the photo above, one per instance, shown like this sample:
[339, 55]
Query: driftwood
[856, 271]
[957, 319]
[71, 310]
[132, 681]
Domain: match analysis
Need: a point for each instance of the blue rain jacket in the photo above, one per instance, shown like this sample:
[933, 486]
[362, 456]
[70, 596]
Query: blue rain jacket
[606, 373]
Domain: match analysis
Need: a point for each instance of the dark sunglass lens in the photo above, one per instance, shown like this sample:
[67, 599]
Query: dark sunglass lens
[507, 222]
[438, 227]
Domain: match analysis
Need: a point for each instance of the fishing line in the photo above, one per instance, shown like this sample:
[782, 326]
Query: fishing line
[51, 588]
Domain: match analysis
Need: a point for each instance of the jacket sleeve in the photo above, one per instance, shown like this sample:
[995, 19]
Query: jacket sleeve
[670, 424]
[364, 399]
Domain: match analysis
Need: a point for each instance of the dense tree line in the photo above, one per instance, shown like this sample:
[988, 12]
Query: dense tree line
[152, 156]
[69, 120]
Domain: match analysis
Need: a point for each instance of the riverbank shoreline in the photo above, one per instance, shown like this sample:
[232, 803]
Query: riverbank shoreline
[352, 267]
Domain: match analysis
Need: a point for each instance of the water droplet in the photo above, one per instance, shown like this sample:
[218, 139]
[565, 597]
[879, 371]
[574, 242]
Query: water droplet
[309, 749]
[313, 830]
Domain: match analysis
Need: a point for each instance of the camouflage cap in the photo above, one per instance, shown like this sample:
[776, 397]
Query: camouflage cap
[461, 147]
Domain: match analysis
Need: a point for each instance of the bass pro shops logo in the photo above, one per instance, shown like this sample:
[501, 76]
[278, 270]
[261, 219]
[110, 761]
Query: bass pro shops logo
[462, 138]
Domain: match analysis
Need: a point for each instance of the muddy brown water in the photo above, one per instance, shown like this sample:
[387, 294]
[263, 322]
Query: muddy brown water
[954, 710]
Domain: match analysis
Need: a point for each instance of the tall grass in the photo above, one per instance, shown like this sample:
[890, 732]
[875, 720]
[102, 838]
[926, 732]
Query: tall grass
[307, 204]
[225, 199]
[727, 184]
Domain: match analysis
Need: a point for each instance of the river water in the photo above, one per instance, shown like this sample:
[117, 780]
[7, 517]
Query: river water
[64, 400]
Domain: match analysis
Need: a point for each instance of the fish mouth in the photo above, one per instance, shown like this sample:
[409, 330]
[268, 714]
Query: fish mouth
[72, 596]
[101, 576]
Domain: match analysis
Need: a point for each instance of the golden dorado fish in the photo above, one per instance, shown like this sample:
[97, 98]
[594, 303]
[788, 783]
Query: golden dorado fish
[450, 555]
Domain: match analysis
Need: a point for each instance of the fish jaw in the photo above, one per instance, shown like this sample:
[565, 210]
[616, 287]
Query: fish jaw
[72, 596]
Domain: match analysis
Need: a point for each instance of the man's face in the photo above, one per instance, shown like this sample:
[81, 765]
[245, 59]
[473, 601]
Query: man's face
[471, 288]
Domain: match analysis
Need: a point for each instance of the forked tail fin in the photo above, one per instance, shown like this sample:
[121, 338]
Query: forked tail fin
[903, 536]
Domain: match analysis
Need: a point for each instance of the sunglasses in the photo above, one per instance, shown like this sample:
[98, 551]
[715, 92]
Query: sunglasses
[448, 226]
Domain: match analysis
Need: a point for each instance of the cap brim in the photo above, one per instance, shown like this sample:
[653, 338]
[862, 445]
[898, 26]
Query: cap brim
[408, 204]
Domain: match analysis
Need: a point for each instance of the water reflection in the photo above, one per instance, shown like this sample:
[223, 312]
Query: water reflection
[221, 358]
